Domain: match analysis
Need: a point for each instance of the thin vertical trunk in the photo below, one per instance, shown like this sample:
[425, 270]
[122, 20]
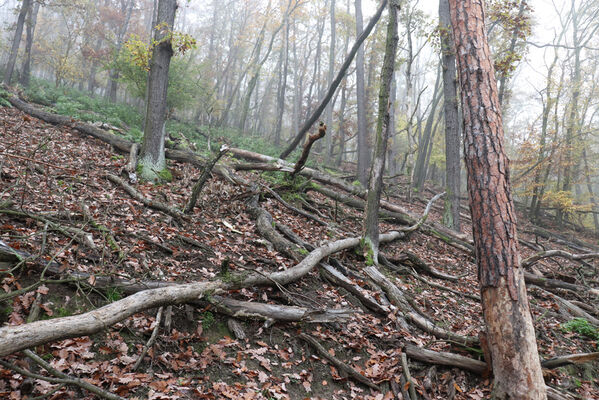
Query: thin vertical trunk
[113, 74]
[363, 149]
[451, 216]
[151, 156]
[510, 331]
[283, 69]
[342, 71]
[329, 111]
[426, 139]
[30, 31]
[375, 182]
[511, 49]
[16, 41]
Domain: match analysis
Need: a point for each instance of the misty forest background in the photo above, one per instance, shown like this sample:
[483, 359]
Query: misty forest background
[251, 72]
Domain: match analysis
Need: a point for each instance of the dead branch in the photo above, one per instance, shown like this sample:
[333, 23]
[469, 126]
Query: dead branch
[19, 337]
[548, 283]
[420, 265]
[406, 372]
[156, 205]
[151, 341]
[294, 209]
[322, 130]
[527, 262]
[276, 312]
[571, 308]
[338, 363]
[197, 188]
[445, 358]
[399, 300]
[581, 358]
[131, 166]
[337, 278]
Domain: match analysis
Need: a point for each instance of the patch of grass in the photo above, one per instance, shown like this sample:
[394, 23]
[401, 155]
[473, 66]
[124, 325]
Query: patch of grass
[207, 320]
[582, 327]
[113, 294]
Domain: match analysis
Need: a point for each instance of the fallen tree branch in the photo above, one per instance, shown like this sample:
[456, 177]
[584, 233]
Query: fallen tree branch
[581, 358]
[299, 165]
[338, 363]
[418, 264]
[399, 300]
[19, 337]
[156, 205]
[277, 312]
[527, 262]
[197, 188]
[151, 341]
[294, 209]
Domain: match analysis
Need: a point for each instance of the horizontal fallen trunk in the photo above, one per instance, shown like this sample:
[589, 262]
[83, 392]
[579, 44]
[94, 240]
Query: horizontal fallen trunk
[581, 358]
[19, 337]
[445, 358]
[277, 312]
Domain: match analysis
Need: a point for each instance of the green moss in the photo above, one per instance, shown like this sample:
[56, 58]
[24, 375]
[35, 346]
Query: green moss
[165, 175]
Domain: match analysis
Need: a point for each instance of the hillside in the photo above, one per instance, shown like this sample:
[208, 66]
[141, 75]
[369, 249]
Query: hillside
[84, 242]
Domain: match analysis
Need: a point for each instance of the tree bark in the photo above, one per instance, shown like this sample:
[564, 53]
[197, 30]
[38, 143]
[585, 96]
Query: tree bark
[152, 150]
[451, 216]
[329, 111]
[320, 108]
[375, 183]
[16, 41]
[510, 330]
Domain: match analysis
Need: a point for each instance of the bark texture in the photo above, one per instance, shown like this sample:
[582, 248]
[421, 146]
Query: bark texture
[152, 150]
[451, 217]
[510, 331]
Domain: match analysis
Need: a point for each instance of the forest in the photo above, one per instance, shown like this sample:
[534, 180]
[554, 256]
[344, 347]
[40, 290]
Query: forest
[299, 199]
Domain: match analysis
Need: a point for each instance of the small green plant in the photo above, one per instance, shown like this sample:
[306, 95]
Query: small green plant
[582, 327]
[62, 312]
[114, 294]
[207, 320]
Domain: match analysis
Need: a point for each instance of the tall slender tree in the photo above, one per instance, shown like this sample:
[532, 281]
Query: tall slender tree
[16, 41]
[30, 30]
[152, 158]
[510, 331]
[375, 183]
[451, 216]
[363, 150]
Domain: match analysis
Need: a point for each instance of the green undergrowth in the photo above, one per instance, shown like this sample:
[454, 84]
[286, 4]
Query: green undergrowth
[582, 327]
[85, 107]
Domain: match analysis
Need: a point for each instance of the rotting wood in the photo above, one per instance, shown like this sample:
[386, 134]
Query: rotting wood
[406, 373]
[338, 363]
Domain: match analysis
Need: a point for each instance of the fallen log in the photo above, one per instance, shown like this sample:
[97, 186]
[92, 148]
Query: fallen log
[277, 312]
[581, 358]
[338, 363]
[445, 358]
[19, 337]
[399, 300]
[156, 205]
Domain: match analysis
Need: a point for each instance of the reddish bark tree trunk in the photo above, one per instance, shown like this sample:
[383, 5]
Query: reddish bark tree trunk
[510, 330]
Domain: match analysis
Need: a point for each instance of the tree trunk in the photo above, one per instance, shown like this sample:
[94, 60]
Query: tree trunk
[284, 60]
[375, 183]
[30, 30]
[510, 330]
[16, 41]
[363, 150]
[113, 74]
[451, 216]
[152, 151]
[320, 108]
[329, 112]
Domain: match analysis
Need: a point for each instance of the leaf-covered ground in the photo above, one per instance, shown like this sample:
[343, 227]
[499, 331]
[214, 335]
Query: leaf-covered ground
[55, 172]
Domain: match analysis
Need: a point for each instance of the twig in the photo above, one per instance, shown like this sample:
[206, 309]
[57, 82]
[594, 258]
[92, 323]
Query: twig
[39, 162]
[406, 371]
[338, 363]
[150, 342]
[292, 208]
[422, 219]
[197, 188]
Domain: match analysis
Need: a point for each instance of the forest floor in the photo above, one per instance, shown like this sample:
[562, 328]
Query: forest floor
[55, 179]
